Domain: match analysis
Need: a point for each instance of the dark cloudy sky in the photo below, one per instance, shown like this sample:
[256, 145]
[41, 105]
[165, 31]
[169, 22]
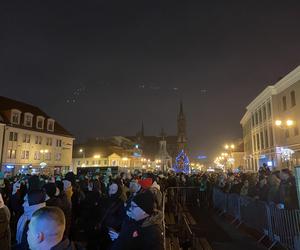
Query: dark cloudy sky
[100, 67]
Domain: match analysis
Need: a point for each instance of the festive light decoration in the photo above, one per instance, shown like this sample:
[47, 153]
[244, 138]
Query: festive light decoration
[182, 163]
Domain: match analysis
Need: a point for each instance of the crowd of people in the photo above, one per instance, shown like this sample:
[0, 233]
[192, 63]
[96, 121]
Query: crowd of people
[114, 212]
[276, 187]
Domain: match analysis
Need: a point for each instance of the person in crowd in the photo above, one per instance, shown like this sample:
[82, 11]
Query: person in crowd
[46, 230]
[273, 191]
[5, 235]
[34, 200]
[244, 189]
[112, 214]
[142, 229]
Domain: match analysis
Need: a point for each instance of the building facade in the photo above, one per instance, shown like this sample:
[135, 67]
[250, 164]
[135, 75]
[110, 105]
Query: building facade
[31, 140]
[264, 142]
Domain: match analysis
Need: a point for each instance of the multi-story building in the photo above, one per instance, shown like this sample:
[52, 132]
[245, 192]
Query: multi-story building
[87, 155]
[31, 140]
[264, 142]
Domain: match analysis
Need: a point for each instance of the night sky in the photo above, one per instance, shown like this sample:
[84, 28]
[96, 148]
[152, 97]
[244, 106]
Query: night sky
[101, 67]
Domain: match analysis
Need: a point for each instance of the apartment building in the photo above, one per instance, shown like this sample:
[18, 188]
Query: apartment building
[266, 140]
[31, 140]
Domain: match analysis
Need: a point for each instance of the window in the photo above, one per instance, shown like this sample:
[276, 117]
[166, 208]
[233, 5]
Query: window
[260, 117]
[264, 113]
[40, 122]
[11, 154]
[293, 99]
[26, 138]
[287, 133]
[49, 142]
[25, 154]
[87, 162]
[266, 138]
[48, 156]
[271, 136]
[256, 118]
[257, 142]
[296, 131]
[13, 136]
[269, 110]
[252, 119]
[37, 155]
[38, 140]
[28, 120]
[284, 103]
[15, 116]
[50, 125]
[78, 163]
[262, 145]
[58, 156]
[58, 143]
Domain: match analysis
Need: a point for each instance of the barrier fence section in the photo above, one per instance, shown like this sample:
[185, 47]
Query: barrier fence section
[279, 225]
[176, 200]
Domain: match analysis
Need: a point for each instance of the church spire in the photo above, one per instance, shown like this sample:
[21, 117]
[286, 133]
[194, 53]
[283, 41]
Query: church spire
[142, 129]
[181, 129]
[181, 109]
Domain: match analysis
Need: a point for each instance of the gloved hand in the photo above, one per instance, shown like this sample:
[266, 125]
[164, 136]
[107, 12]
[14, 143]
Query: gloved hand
[113, 234]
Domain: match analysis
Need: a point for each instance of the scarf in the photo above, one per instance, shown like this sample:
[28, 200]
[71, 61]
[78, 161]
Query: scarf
[26, 216]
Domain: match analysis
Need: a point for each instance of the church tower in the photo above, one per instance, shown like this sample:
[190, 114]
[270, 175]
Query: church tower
[181, 130]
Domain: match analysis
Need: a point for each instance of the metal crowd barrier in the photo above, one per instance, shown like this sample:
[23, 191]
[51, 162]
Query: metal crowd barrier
[279, 225]
[175, 200]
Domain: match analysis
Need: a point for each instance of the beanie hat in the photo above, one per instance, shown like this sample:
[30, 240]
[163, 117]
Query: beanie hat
[145, 201]
[145, 183]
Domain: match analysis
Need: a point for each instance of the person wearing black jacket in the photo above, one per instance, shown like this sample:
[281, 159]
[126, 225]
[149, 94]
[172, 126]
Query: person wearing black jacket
[142, 229]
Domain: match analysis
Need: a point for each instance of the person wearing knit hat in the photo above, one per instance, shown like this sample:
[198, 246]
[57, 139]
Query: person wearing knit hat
[140, 230]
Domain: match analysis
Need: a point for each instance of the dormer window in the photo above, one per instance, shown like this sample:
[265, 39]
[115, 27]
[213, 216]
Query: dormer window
[15, 116]
[50, 125]
[40, 122]
[28, 119]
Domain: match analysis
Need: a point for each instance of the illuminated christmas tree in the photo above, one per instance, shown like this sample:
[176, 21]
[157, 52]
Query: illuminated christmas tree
[182, 163]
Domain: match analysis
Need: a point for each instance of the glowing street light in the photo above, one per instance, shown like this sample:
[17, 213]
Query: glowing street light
[289, 123]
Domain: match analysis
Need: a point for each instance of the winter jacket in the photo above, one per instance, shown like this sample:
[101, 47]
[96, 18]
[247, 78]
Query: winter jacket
[4, 228]
[65, 244]
[142, 235]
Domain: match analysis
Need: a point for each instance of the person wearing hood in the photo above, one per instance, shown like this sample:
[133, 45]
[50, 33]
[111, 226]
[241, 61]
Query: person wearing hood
[112, 214]
[32, 202]
[142, 230]
[158, 197]
[134, 189]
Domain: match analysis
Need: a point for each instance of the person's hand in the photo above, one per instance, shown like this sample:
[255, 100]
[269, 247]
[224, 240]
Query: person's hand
[113, 234]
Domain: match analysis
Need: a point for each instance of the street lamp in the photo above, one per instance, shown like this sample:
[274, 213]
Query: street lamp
[285, 124]
[228, 155]
[82, 152]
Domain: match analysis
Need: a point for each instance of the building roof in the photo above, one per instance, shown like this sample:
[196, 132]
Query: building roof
[7, 104]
